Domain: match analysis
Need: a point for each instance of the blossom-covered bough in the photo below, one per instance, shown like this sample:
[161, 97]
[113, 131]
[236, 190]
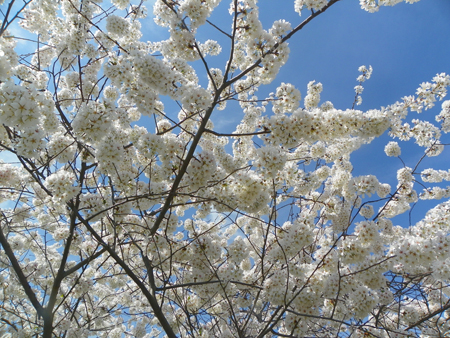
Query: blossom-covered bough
[121, 218]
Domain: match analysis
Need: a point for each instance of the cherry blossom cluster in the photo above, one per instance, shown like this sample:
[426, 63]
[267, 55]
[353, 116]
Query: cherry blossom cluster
[374, 5]
[366, 74]
[326, 125]
[309, 4]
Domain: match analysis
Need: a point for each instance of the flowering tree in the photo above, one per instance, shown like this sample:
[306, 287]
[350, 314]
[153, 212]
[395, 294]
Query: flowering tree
[122, 218]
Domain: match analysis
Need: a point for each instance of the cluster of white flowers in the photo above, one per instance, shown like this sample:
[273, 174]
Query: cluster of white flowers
[201, 169]
[92, 121]
[288, 99]
[19, 106]
[383, 190]
[374, 5]
[60, 147]
[197, 11]
[61, 185]
[318, 150]
[435, 149]
[195, 99]
[366, 73]
[11, 177]
[272, 62]
[404, 176]
[121, 4]
[275, 287]
[280, 28]
[427, 92]
[312, 99]
[329, 125]
[110, 152]
[93, 204]
[293, 237]
[254, 44]
[367, 211]
[310, 4]
[5, 67]
[426, 247]
[30, 143]
[435, 193]
[425, 133]
[271, 159]
[432, 175]
[444, 116]
[426, 96]
[363, 185]
[210, 47]
[116, 25]
[250, 192]
[156, 73]
[392, 149]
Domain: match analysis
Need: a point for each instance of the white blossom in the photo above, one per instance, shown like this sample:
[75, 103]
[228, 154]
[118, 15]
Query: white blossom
[392, 149]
